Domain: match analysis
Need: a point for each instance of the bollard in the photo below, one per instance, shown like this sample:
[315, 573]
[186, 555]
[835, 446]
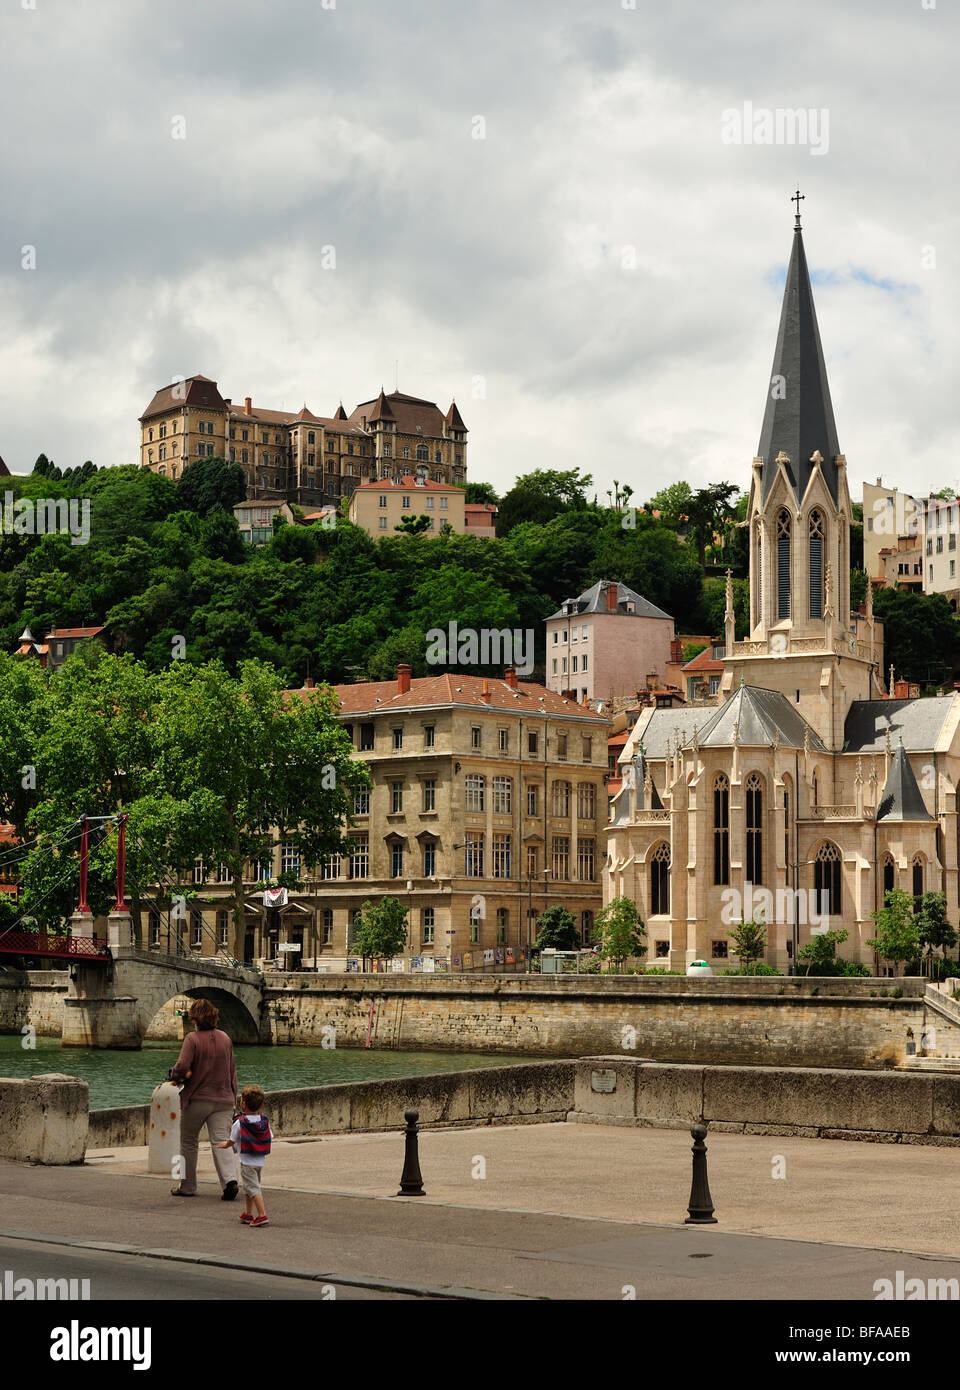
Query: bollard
[701, 1203]
[164, 1133]
[411, 1182]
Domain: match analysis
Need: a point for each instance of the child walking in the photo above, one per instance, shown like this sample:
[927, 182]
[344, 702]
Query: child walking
[251, 1135]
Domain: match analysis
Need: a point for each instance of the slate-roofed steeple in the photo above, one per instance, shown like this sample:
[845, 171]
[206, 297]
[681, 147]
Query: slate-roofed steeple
[902, 798]
[798, 420]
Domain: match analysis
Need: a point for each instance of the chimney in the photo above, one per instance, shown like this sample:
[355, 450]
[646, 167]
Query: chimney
[247, 405]
[901, 690]
[485, 692]
[403, 679]
[676, 650]
[652, 678]
[611, 598]
[510, 676]
[308, 683]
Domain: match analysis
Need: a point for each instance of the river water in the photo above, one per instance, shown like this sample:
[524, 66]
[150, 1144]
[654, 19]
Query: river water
[127, 1078]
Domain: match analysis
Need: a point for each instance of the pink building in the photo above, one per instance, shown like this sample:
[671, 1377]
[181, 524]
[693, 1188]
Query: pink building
[480, 519]
[605, 643]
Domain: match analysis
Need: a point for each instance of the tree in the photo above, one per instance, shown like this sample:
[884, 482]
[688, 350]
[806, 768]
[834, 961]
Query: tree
[673, 504]
[749, 941]
[541, 495]
[620, 931]
[209, 483]
[481, 492]
[381, 929]
[708, 510]
[898, 935]
[557, 929]
[414, 525]
[920, 633]
[819, 955]
[935, 932]
[858, 588]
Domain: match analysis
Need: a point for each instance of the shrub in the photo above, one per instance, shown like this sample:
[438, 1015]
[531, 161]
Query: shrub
[755, 967]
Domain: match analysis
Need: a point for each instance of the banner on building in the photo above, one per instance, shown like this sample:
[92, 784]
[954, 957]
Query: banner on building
[275, 897]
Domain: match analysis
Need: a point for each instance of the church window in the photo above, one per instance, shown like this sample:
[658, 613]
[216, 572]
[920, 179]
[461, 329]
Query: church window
[917, 881]
[889, 876]
[660, 880]
[783, 565]
[721, 829]
[754, 808]
[759, 583]
[816, 565]
[826, 880]
[786, 821]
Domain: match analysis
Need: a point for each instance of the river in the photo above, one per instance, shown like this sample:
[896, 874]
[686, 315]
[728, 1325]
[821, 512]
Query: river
[127, 1078]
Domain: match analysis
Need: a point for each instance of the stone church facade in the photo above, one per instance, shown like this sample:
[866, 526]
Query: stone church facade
[810, 789]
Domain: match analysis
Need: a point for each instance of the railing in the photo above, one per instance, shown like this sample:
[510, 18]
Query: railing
[38, 943]
[649, 817]
[840, 813]
[784, 645]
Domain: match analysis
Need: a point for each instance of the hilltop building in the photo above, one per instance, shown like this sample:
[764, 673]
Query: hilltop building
[298, 456]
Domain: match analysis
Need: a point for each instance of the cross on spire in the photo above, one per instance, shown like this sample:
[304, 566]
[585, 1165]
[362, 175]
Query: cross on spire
[798, 198]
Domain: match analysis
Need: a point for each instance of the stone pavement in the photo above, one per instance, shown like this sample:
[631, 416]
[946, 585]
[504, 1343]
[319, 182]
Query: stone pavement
[564, 1212]
[880, 1195]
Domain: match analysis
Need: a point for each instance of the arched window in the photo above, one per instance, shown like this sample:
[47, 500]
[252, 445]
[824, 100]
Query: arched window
[586, 928]
[660, 879]
[816, 564]
[816, 787]
[561, 798]
[917, 881]
[783, 564]
[787, 794]
[889, 876]
[721, 829]
[826, 880]
[758, 583]
[754, 809]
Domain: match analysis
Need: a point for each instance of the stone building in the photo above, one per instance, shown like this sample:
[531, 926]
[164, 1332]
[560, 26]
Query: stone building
[603, 644]
[378, 507]
[295, 455]
[487, 805]
[811, 788]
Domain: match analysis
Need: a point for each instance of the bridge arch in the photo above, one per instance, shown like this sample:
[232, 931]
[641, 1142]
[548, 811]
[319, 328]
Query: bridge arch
[114, 1007]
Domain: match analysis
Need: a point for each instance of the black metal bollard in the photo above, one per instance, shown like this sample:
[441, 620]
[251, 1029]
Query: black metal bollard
[701, 1203]
[411, 1182]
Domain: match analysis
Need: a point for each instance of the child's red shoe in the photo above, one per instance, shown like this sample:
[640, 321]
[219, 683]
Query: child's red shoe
[246, 1218]
[259, 1221]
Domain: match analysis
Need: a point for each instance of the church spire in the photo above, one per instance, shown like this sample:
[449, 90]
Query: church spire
[798, 420]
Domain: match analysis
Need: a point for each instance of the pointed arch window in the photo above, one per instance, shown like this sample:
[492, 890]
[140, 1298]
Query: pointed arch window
[815, 545]
[754, 809]
[721, 829]
[660, 879]
[889, 876]
[786, 822]
[783, 564]
[826, 880]
[917, 867]
[758, 586]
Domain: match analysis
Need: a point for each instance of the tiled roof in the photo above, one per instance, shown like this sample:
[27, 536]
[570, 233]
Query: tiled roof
[453, 419]
[412, 415]
[195, 390]
[407, 481]
[918, 722]
[902, 798]
[594, 600]
[757, 715]
[61, 632]
[4, 470]
[371, 697]
[704, 662]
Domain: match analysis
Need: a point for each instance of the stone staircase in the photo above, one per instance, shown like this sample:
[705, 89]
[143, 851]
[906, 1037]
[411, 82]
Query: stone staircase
[938, 1047]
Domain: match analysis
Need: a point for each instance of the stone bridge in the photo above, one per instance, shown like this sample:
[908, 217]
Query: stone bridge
[114, 1005]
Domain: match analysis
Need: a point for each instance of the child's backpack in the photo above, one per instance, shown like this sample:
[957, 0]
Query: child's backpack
[254, 1136]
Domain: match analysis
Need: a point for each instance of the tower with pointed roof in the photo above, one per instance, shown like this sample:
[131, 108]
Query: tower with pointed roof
[801, 640]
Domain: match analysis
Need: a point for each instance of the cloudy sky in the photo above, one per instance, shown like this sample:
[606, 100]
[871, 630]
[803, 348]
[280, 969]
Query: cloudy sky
[596, 280]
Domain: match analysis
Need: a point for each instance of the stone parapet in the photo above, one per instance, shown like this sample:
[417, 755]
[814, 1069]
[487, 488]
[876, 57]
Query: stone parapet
[43, 1119]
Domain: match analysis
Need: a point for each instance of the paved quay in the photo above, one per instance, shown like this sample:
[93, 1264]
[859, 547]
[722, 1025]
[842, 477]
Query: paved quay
[564, 1212]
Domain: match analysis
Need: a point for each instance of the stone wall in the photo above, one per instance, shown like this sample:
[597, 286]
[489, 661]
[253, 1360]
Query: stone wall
[33, 997]
[808, 1103]
[533, 1094]
[729, 1020]
[43, 1119]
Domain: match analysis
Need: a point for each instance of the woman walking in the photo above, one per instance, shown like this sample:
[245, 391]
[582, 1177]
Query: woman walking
[209, 1097]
